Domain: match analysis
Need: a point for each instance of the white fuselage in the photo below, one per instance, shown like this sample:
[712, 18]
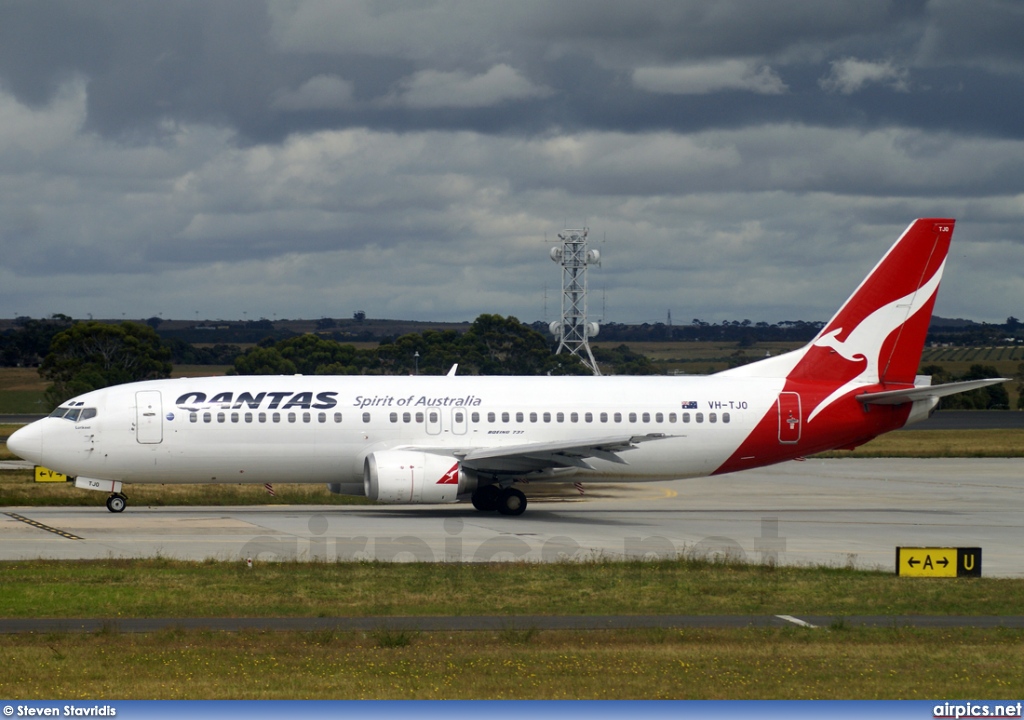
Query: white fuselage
[279, 429]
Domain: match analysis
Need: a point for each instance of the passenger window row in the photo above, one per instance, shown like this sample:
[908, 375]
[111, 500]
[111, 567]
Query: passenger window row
[434, 417]
[222, 417]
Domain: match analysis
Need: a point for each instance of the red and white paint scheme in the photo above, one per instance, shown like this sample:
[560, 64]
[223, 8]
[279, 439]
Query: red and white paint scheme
[442, 439]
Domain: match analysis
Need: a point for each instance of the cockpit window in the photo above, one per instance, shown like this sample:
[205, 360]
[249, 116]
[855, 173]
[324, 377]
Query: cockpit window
[74, 414]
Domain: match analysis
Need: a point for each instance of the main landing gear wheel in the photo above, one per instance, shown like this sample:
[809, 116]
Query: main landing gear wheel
[116, 503]
[512, 502]
[486, 498]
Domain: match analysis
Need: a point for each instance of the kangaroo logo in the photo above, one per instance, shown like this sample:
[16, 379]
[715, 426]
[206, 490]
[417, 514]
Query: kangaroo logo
[451, 477]
[864, 343]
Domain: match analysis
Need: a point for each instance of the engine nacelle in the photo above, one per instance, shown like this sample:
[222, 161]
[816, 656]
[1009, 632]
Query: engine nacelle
[407, 477]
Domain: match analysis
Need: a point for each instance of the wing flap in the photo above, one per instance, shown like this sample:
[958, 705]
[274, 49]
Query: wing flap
[532, 457]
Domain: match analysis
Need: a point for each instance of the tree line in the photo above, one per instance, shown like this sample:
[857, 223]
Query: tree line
[77, 357]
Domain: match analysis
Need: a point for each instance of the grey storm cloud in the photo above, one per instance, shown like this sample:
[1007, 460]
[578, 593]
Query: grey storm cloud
[303, 157]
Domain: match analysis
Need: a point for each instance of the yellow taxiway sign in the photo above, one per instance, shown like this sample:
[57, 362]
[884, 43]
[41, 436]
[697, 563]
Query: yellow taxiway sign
[938, 562]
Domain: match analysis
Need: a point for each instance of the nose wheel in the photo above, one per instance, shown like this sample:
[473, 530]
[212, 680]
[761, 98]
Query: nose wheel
[116, 502]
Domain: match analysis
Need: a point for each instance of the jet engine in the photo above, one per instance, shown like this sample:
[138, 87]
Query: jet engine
[408, 477]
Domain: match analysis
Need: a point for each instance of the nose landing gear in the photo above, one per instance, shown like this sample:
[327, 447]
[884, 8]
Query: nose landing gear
[117, 502]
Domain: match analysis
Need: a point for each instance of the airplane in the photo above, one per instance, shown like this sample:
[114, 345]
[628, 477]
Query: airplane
[443, 439]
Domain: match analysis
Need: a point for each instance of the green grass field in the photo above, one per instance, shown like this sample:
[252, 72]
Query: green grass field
[838, 661]
[518, 664]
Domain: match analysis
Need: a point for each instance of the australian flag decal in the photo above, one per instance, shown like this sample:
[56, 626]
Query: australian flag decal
[689, 405]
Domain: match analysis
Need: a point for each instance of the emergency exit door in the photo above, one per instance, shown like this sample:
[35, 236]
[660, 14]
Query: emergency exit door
[789, 418]
[149, 420]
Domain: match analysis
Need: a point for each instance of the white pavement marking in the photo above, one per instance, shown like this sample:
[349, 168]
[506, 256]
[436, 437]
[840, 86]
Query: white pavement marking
[796, 621]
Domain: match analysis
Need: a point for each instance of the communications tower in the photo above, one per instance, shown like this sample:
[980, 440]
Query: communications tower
[573, 330]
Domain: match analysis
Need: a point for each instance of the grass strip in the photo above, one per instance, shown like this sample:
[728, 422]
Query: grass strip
[757, 663]
[146, 588]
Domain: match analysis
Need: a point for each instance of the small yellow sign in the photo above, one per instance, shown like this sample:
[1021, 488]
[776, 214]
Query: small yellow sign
[48, 475]
[938, 562]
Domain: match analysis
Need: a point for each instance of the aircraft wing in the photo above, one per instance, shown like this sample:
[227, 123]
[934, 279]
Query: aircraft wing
[531, 457]
[923, 392]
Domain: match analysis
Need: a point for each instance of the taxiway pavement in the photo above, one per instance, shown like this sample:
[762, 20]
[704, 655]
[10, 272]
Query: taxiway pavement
[851, 512]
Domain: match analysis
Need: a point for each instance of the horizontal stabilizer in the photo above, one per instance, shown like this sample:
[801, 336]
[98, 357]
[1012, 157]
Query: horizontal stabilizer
[898, 397]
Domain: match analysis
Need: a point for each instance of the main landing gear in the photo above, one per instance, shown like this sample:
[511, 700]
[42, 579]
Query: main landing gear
[507, 501]
[117, 502]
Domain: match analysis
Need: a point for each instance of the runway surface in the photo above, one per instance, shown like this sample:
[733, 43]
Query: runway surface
[851, 512]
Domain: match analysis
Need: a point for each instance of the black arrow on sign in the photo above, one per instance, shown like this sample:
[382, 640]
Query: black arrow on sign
[912, 562]
[943, 562]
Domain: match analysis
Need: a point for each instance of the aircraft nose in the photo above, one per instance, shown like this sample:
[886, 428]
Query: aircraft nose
[27, 443]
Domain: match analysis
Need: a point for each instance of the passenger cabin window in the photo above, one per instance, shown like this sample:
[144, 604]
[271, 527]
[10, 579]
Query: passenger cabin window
[604, 417]
[533, 417]
[588, 417]
[574, 417]
[632, 417]
[671, 417]
[337, 417]
[618, 417]
[394, 417]
[699, 417]
[504, 417]
[560, 417]
[475, 417]
[366, 417]
[712, 417]
[725, 417]
[519, 417]
[646, 417]
[407, 417]
[547, 417]
[490, 417]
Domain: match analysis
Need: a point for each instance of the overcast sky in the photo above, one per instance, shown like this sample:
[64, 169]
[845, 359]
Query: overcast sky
[307, 158]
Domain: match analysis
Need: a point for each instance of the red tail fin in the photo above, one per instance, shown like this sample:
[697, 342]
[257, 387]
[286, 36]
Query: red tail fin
[882, 327]
[878, 334]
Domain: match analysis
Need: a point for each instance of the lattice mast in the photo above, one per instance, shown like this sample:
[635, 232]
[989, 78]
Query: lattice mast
[573, 330]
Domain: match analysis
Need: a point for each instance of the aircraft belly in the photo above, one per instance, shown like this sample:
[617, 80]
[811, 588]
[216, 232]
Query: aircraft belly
[233, 463]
